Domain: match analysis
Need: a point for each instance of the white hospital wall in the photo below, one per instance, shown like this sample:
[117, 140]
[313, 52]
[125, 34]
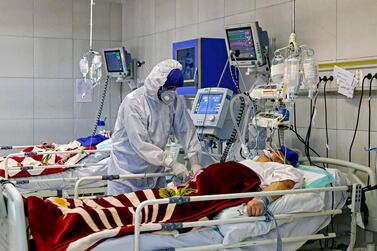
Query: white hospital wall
[337, 29]
[41, 42]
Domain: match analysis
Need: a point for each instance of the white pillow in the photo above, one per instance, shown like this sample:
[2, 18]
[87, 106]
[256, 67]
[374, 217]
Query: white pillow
[294, 203]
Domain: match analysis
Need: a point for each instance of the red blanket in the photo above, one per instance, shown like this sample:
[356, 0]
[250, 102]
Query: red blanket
[69, 224]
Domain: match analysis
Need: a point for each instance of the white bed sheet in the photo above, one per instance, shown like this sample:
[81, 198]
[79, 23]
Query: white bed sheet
[70, 173]
[210, 236]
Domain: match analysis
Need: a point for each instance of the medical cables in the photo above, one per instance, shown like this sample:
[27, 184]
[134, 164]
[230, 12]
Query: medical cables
[326, 80]
[370, 119]
[308, 133]
[368, 76]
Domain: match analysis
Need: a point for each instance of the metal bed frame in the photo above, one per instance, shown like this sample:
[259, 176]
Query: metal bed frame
[18, 242]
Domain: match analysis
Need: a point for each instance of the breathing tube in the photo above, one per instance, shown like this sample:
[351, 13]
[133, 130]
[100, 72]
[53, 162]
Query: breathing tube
[237, 123]
[233, 135]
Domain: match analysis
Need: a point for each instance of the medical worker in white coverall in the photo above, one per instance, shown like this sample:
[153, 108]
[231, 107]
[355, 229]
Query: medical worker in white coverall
[146, 118]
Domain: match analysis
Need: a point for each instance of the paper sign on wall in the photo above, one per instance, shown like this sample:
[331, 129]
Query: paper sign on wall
[83, 91]
[345, 80]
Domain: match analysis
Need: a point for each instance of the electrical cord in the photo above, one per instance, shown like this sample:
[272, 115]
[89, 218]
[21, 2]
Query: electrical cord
[330, 79]
[331, 228]
[101, 105]
[301, 139]
[370, 119]
[295, 116]
[369, 76]
[308, 133]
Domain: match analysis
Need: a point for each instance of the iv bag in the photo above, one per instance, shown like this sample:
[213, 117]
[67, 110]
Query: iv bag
[97, 61]
[95, 74]
[96, 68]
[292, 72]
[277, 69]
[84, 66]
[310, 71]
[83, 91]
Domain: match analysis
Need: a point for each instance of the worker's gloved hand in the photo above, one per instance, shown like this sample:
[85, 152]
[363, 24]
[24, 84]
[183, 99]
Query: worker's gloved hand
[196, 168]
[180, 170]
[195, 163]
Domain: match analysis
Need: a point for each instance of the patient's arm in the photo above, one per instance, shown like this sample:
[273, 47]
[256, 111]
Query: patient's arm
[256, 207]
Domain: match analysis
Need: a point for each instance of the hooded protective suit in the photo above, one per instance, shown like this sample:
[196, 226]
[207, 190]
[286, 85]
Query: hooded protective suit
[141, 132]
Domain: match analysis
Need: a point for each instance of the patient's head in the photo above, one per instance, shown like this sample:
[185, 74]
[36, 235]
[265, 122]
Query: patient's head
[284, 155]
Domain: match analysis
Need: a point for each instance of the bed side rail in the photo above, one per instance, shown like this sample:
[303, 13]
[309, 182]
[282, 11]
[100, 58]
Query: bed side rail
[371, 197]
[179, 200]
[12, 221]
[352, 167]
[116, 177]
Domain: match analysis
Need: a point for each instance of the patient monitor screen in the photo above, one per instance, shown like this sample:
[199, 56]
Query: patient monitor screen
[242, 39]
[208, 104]
[114, 61]
[186, 57]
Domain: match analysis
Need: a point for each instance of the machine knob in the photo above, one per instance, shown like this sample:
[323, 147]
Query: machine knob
[211, 118]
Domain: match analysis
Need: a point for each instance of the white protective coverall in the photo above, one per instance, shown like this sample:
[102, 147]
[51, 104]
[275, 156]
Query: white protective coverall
[142, 129]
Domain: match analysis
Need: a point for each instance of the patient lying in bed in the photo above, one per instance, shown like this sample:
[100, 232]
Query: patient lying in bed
[72, 223]
[274, 176]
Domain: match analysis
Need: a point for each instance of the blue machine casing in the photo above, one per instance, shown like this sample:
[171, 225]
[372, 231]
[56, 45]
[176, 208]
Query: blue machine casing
[210, 58]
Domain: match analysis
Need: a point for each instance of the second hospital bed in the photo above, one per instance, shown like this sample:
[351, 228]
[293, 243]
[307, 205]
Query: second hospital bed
[38, 176]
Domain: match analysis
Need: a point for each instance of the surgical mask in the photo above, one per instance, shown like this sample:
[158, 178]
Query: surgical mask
[167, 97]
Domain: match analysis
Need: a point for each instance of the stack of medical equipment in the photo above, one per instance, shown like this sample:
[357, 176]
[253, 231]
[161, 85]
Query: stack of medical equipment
[213, 111]
[267, 105]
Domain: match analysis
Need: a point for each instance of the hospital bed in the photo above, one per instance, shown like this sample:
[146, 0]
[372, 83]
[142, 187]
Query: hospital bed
[59, 176]
[294, 232]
